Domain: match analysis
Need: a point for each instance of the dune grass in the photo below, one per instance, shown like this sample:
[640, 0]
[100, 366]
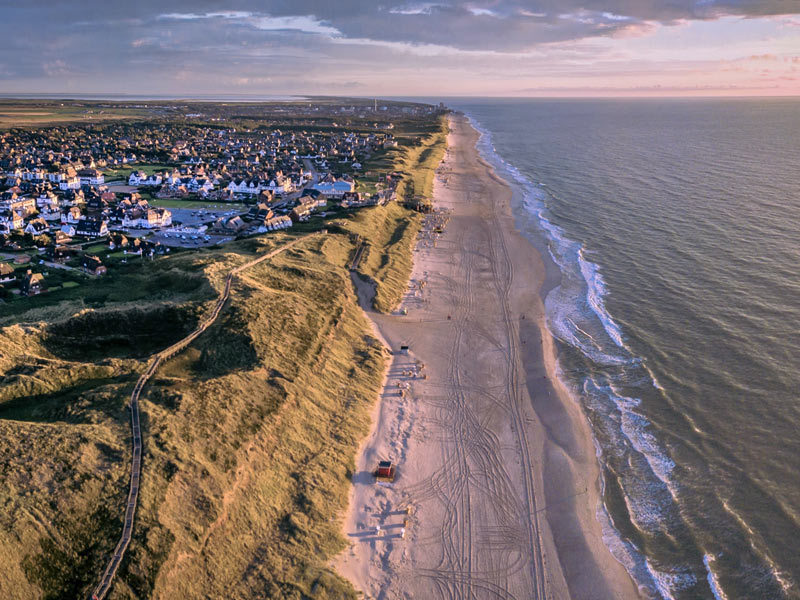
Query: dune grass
[390, 231]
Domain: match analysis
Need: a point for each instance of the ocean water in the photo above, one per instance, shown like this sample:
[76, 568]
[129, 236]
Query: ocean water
[676, 227]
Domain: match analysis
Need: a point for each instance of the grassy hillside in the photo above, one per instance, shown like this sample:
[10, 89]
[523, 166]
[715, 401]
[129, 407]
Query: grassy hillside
[249, 435]
[391, 231]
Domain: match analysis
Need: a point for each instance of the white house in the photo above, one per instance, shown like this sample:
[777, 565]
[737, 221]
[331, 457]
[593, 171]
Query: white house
[11, 220]
[47, 200]
[200, 185]
[37, 227]
[51, 213]
[148, 219]
[70, 183]
[91, 177]
[245, 187]
[136, 177]
[72, 216]
[280, 186]
[141, 178]
[36, 175]
[91, 228]
[275, 224]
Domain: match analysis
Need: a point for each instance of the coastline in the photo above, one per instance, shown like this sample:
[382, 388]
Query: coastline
[498, 482]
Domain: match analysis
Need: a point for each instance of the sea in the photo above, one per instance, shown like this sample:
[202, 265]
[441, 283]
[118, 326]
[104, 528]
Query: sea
[675, 224]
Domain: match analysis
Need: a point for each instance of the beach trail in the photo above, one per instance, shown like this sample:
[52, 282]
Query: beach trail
[497, 487]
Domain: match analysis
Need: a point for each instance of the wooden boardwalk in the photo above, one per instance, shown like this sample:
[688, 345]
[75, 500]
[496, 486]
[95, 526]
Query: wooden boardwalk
[136, 458]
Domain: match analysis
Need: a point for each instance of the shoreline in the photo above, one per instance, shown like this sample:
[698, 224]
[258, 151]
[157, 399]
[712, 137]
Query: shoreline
[495, 459]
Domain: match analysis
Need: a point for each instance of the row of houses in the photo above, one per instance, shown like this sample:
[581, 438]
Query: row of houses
[243, 162]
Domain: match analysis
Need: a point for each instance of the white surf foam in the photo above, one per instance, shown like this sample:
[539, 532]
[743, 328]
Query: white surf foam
[591, 329]
[596, 294]
[669, 583]
[713, 582]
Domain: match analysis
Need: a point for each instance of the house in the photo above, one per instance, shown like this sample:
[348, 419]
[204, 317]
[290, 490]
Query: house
[7, 273]
[58, 253]
[73, 198]
[11, 221]
[356, 200]
[275, 224]
[62, 238]
[32, 283]
[67, 230]
[47, 200]
[148, 218]
[243, 186]
[51, 214]
[312, 201]
[140, 178]
[230, 225]
[70, 183]
[92, 264]
[269, 198]
[37, 227]
[146, 247]
[260, 212]
[91, 177]
[72, 216]
[25, 206]
[136, 177]
[300, 213]
[199, 185]
[91, 228]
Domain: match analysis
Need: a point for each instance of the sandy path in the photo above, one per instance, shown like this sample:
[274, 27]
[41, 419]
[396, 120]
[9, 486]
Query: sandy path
[497, 476]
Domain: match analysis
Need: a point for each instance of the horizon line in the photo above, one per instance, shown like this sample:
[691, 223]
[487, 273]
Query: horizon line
[291, 97]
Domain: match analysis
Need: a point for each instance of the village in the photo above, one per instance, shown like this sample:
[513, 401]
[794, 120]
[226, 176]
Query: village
[76, 200]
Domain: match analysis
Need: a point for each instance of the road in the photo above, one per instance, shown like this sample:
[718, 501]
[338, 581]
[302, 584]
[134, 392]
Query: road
[154, 363]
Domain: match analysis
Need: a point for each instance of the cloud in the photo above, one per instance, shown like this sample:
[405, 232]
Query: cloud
[303, 23]
[370, 44]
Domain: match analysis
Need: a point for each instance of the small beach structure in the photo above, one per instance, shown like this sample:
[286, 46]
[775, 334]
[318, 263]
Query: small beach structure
[403, 349]
[385, 471]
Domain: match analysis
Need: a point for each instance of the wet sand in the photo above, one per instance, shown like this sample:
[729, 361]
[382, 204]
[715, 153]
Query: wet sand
[497, 487]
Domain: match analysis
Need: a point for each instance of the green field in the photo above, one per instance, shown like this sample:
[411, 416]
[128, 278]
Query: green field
[194, 204]
[122, 172]
[22, 113]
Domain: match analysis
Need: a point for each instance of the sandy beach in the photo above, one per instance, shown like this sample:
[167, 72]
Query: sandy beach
[497, 483]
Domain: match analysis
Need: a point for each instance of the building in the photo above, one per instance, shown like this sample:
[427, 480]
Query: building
[70, 183]
[58, 253]
[334, 189]
[90, 228]
[92, 264]
[7, 273]
[274, 224]
[37, 227]
[32, 283]
[149, 218]
[229, 225]
[91, 177]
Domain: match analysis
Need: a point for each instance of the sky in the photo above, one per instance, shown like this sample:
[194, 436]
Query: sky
[398, 48]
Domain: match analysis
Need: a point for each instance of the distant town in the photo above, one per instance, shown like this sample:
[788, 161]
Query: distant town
[80, 198]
